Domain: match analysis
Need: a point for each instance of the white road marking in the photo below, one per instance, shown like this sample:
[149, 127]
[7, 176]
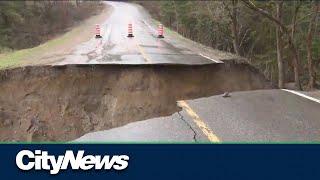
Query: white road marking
[154, 31]
[302, 95]
[216, 61]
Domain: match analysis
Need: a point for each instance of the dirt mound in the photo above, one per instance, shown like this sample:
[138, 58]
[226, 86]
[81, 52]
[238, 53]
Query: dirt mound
[61, 103]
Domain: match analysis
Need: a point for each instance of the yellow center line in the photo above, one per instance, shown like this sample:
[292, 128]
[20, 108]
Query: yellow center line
[199, 122]
[143, 53]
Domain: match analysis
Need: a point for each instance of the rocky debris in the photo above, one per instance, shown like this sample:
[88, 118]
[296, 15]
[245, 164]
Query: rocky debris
[226, 94]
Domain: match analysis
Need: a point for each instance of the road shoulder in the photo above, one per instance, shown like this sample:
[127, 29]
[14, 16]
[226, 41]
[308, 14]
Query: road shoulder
[57, 48]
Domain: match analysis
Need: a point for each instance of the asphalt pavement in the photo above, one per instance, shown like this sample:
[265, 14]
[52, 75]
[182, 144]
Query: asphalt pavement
[144, 48]
[251, 116]
[163, 129]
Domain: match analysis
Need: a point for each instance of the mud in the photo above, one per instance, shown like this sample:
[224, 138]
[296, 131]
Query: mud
[61, 103]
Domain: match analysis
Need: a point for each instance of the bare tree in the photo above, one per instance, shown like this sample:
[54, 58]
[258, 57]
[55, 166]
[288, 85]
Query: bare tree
[312, 75]
[176, 15]
[234, 25]
[279, 33]
[296, 57]
[290, 39]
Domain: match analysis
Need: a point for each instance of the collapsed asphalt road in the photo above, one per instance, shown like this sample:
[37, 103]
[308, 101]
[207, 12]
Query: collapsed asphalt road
[250, 116]
[118, 81]
[61, 103]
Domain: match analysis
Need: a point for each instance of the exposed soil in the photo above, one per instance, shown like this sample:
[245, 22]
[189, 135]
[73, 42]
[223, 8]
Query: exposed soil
[62, 103]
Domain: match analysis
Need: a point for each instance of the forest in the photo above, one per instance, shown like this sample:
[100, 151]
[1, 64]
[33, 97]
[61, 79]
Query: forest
[25, 24]
[280, 38]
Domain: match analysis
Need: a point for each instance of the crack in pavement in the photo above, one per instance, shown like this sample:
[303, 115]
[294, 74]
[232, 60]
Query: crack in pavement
[190, 127]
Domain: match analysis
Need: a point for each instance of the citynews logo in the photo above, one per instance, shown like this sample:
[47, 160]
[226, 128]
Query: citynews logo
[40, 160]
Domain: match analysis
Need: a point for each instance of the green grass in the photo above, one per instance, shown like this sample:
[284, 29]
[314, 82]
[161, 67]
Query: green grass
[14, 59]
[26, 56]
[10, 59]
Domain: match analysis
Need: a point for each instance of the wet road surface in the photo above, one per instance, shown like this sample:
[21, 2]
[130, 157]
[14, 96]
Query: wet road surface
[251, 116]
[144, 48]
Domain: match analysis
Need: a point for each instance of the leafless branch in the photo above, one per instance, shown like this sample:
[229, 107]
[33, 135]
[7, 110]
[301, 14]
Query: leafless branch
[265, 13]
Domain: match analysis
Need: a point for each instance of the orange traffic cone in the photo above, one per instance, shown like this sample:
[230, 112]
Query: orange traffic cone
[160, 31]
[130, 32]
[98, 31]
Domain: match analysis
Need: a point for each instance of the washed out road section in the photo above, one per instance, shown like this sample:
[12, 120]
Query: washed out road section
[60, 103]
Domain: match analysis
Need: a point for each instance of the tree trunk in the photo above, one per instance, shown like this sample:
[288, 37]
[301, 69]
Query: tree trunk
[296, 64]
[292, 46]
[312, 75]
[77, 3]
[279, 45]
[296, 58]
[235, 27]
[177, 17]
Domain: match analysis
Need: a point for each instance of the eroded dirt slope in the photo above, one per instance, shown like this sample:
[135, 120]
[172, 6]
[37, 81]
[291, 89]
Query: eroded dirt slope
[61, 103]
